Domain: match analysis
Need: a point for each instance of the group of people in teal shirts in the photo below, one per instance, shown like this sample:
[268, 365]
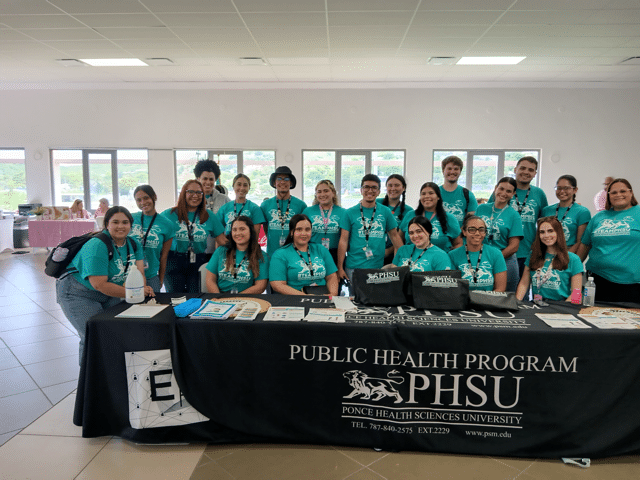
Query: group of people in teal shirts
[515, 242]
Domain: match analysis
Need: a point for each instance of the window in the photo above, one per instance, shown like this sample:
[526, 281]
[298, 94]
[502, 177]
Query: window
[258, 165]
[483, 168]
[345, 168]
[94, 174]
[13, 184]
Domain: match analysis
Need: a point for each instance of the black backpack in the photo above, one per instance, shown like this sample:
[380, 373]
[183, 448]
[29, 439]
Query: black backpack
[61, 256]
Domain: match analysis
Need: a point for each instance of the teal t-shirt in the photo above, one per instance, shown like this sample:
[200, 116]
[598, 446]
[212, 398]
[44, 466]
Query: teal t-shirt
[286, 265]
[231, 210]
[244, 276]
[396, 210]
[433, 258]
[200, 231]
[93, 260]
[558, 284]
[614, 238]
[501, 224]
[438, 238]
[455, 203]
[576, 216]
[529, 212]
[161, 231]
[331, 230]
[492, 262]
[277, 226]
[383, 222]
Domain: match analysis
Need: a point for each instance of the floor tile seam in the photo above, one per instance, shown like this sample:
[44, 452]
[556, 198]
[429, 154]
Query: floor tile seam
[45, 361]
[93, 458]
[510, 466]
[357, 461]
[25, 391]
[21, 328]
[39, 388]
[223, 469]
[48, 339]
[382, 477]
[11, 431]
[523, 471]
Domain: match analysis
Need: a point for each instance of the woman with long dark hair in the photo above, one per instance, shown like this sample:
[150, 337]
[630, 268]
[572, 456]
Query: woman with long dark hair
[300, 262]
[572, 216]
[551, 270]
[504, 227]
[238, 266]
[154, 232]
[612, 241]
[395, 199]
[422, 255]
[193, 225]
[446, 229]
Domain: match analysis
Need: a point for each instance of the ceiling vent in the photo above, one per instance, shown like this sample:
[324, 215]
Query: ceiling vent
[159, 62]
[70, 62]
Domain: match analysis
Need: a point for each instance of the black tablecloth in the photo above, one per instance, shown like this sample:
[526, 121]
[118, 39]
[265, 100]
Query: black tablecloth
[495, 383]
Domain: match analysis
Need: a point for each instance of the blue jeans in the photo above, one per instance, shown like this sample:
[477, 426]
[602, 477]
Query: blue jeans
[182, 276]
[513, 273]
[80, 303]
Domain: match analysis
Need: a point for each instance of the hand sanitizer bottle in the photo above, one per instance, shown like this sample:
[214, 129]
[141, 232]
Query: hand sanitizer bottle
[134, 286]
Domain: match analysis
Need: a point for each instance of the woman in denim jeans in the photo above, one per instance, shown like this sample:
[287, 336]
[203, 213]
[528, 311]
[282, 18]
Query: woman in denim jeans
[94, 282]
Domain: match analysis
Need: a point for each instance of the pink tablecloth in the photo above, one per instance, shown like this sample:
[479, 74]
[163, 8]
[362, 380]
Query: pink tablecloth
[50, 233]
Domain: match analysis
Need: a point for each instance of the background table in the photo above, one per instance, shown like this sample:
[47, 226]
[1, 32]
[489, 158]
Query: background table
[50, 233]
[393, 378]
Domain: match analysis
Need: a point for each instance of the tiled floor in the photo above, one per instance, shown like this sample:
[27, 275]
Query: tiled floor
[38, 374]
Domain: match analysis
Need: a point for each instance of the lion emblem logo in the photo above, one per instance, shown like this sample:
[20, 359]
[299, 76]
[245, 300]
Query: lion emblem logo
[373, 388]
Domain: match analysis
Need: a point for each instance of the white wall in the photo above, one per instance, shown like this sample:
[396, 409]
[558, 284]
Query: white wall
[590, 132]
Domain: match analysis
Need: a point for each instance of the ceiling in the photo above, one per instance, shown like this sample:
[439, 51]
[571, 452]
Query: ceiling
[325, 42]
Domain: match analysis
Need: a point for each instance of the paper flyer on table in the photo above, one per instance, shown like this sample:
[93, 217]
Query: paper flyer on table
[142, 311]
[610, 322]
[211, 309]
[332, 315]
[561, 320]
[284, 314]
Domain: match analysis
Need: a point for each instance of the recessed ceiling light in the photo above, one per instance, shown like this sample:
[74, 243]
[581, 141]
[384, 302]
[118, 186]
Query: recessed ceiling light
[114, 62]
[490, 60]
[630, 61]
[159, 62]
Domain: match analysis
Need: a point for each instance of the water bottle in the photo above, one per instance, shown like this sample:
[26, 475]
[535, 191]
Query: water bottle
[589, 296]
[134, 286]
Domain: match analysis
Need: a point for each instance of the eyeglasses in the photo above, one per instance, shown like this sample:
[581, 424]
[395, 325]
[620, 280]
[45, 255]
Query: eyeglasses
[373, 188]
[195, 192]
[563, 189]
[283, 179]
[479, 230]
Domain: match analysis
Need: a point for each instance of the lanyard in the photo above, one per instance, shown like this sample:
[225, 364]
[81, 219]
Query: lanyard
[542, 275]
[126, 266]
[236, 267]
[282, 219]
[474, 272]
[190, 228]
[520, 207]
[309, 264]
[144, 239]
[325, 220]
[366, 228]
[236, 215]
[419, 257]
[565, 213]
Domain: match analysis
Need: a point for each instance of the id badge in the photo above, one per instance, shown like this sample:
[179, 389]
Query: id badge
[325, 243]
[282, 240]
[368, 252]
[537, 299]
[234, 290]
[146, 264]
[192, 256]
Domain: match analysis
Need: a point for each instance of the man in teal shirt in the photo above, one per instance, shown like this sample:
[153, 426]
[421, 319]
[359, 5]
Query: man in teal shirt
[457, 200]
[279, 209]
[362, 241]
[528, 201]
